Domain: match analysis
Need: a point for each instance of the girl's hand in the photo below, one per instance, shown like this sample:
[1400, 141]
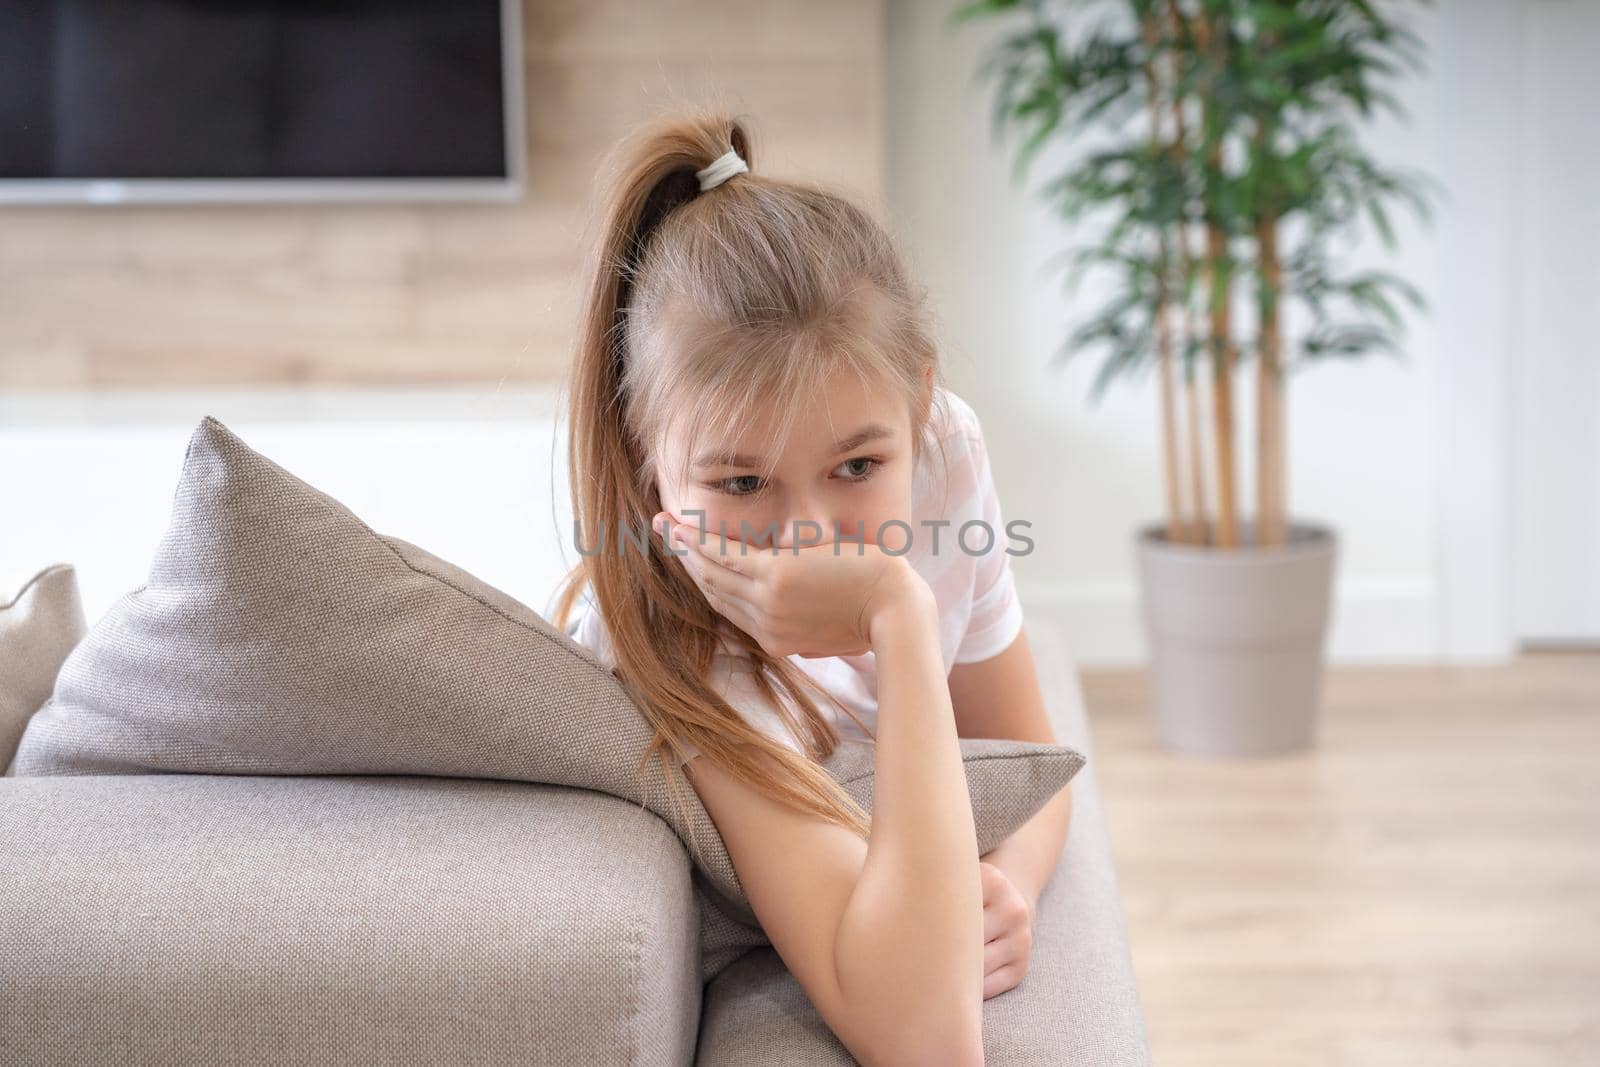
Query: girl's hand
[817, 600]
[1007, 931]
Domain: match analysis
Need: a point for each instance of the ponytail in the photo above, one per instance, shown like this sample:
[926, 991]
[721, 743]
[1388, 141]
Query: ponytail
[749, 254]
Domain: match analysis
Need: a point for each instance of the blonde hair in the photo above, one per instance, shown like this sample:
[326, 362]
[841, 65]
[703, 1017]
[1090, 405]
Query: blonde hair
[698, 305]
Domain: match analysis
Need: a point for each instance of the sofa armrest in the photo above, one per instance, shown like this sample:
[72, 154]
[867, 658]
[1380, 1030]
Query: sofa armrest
[228, 918]
[1080, 986]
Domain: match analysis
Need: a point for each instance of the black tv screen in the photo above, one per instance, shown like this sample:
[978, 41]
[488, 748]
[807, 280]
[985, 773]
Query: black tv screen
[256, 91]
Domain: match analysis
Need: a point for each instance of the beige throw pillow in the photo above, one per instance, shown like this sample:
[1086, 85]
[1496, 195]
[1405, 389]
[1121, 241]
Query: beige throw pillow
[38, 628]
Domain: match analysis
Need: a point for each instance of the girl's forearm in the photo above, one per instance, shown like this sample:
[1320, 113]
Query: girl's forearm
[911, 936]
[1029, 856]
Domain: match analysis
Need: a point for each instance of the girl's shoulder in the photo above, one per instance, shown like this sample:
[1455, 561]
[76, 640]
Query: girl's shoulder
[954, 418]
[732, 675]
[589, 630]
[953, 474]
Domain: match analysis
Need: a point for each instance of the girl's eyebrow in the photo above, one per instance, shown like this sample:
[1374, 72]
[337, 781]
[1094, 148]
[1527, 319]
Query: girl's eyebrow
[873, 431]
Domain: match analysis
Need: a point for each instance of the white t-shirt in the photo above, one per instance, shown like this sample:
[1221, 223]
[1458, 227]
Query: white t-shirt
[969, 571]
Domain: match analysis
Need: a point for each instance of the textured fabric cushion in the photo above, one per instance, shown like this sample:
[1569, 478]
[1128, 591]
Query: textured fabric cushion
[38, 627]
[278, 634]
[201, 919]
[1078, 1003]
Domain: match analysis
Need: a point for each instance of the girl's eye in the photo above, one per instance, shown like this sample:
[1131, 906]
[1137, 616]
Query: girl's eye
[730, 485]
[862, 474]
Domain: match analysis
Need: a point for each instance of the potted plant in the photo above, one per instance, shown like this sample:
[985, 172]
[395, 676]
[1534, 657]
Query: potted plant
[1225, 166]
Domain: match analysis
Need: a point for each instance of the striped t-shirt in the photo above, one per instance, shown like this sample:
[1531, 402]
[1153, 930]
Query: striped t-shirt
[958, 543]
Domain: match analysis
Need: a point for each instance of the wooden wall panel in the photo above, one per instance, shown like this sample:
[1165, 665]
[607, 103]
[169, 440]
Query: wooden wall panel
[110, 297]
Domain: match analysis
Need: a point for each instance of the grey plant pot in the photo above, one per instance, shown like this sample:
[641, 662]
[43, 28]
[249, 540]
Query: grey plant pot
[1236, 638]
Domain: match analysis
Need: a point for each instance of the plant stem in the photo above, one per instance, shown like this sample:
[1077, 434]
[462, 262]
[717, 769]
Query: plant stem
[1200, 530]
[1214, 38]
[1272, 504]
[1192, 386]
[1171, 481]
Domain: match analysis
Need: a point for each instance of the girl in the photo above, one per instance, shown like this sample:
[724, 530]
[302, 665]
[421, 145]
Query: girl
[790, 537]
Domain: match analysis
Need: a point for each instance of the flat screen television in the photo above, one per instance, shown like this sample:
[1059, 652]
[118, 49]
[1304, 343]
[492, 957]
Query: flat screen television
[117, 101]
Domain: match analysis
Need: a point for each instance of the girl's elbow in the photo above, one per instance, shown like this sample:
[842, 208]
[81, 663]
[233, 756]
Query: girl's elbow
[952, 1036]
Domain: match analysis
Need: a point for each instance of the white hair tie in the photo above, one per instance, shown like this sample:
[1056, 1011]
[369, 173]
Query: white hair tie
[724, 167]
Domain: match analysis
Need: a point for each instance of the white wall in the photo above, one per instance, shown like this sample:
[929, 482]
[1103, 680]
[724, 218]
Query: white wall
[1412, 462]
[476, 475]
[1365, 438]
[1554, 222]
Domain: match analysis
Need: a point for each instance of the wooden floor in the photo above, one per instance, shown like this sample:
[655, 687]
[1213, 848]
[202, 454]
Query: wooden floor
[1422, 888]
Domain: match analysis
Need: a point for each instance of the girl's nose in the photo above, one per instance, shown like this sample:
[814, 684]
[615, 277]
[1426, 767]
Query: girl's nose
[805, 526]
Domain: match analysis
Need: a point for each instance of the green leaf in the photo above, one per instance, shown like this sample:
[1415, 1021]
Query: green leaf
[979, 9]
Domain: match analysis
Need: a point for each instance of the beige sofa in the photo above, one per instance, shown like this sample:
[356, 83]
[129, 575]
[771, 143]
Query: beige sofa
[198, 918]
